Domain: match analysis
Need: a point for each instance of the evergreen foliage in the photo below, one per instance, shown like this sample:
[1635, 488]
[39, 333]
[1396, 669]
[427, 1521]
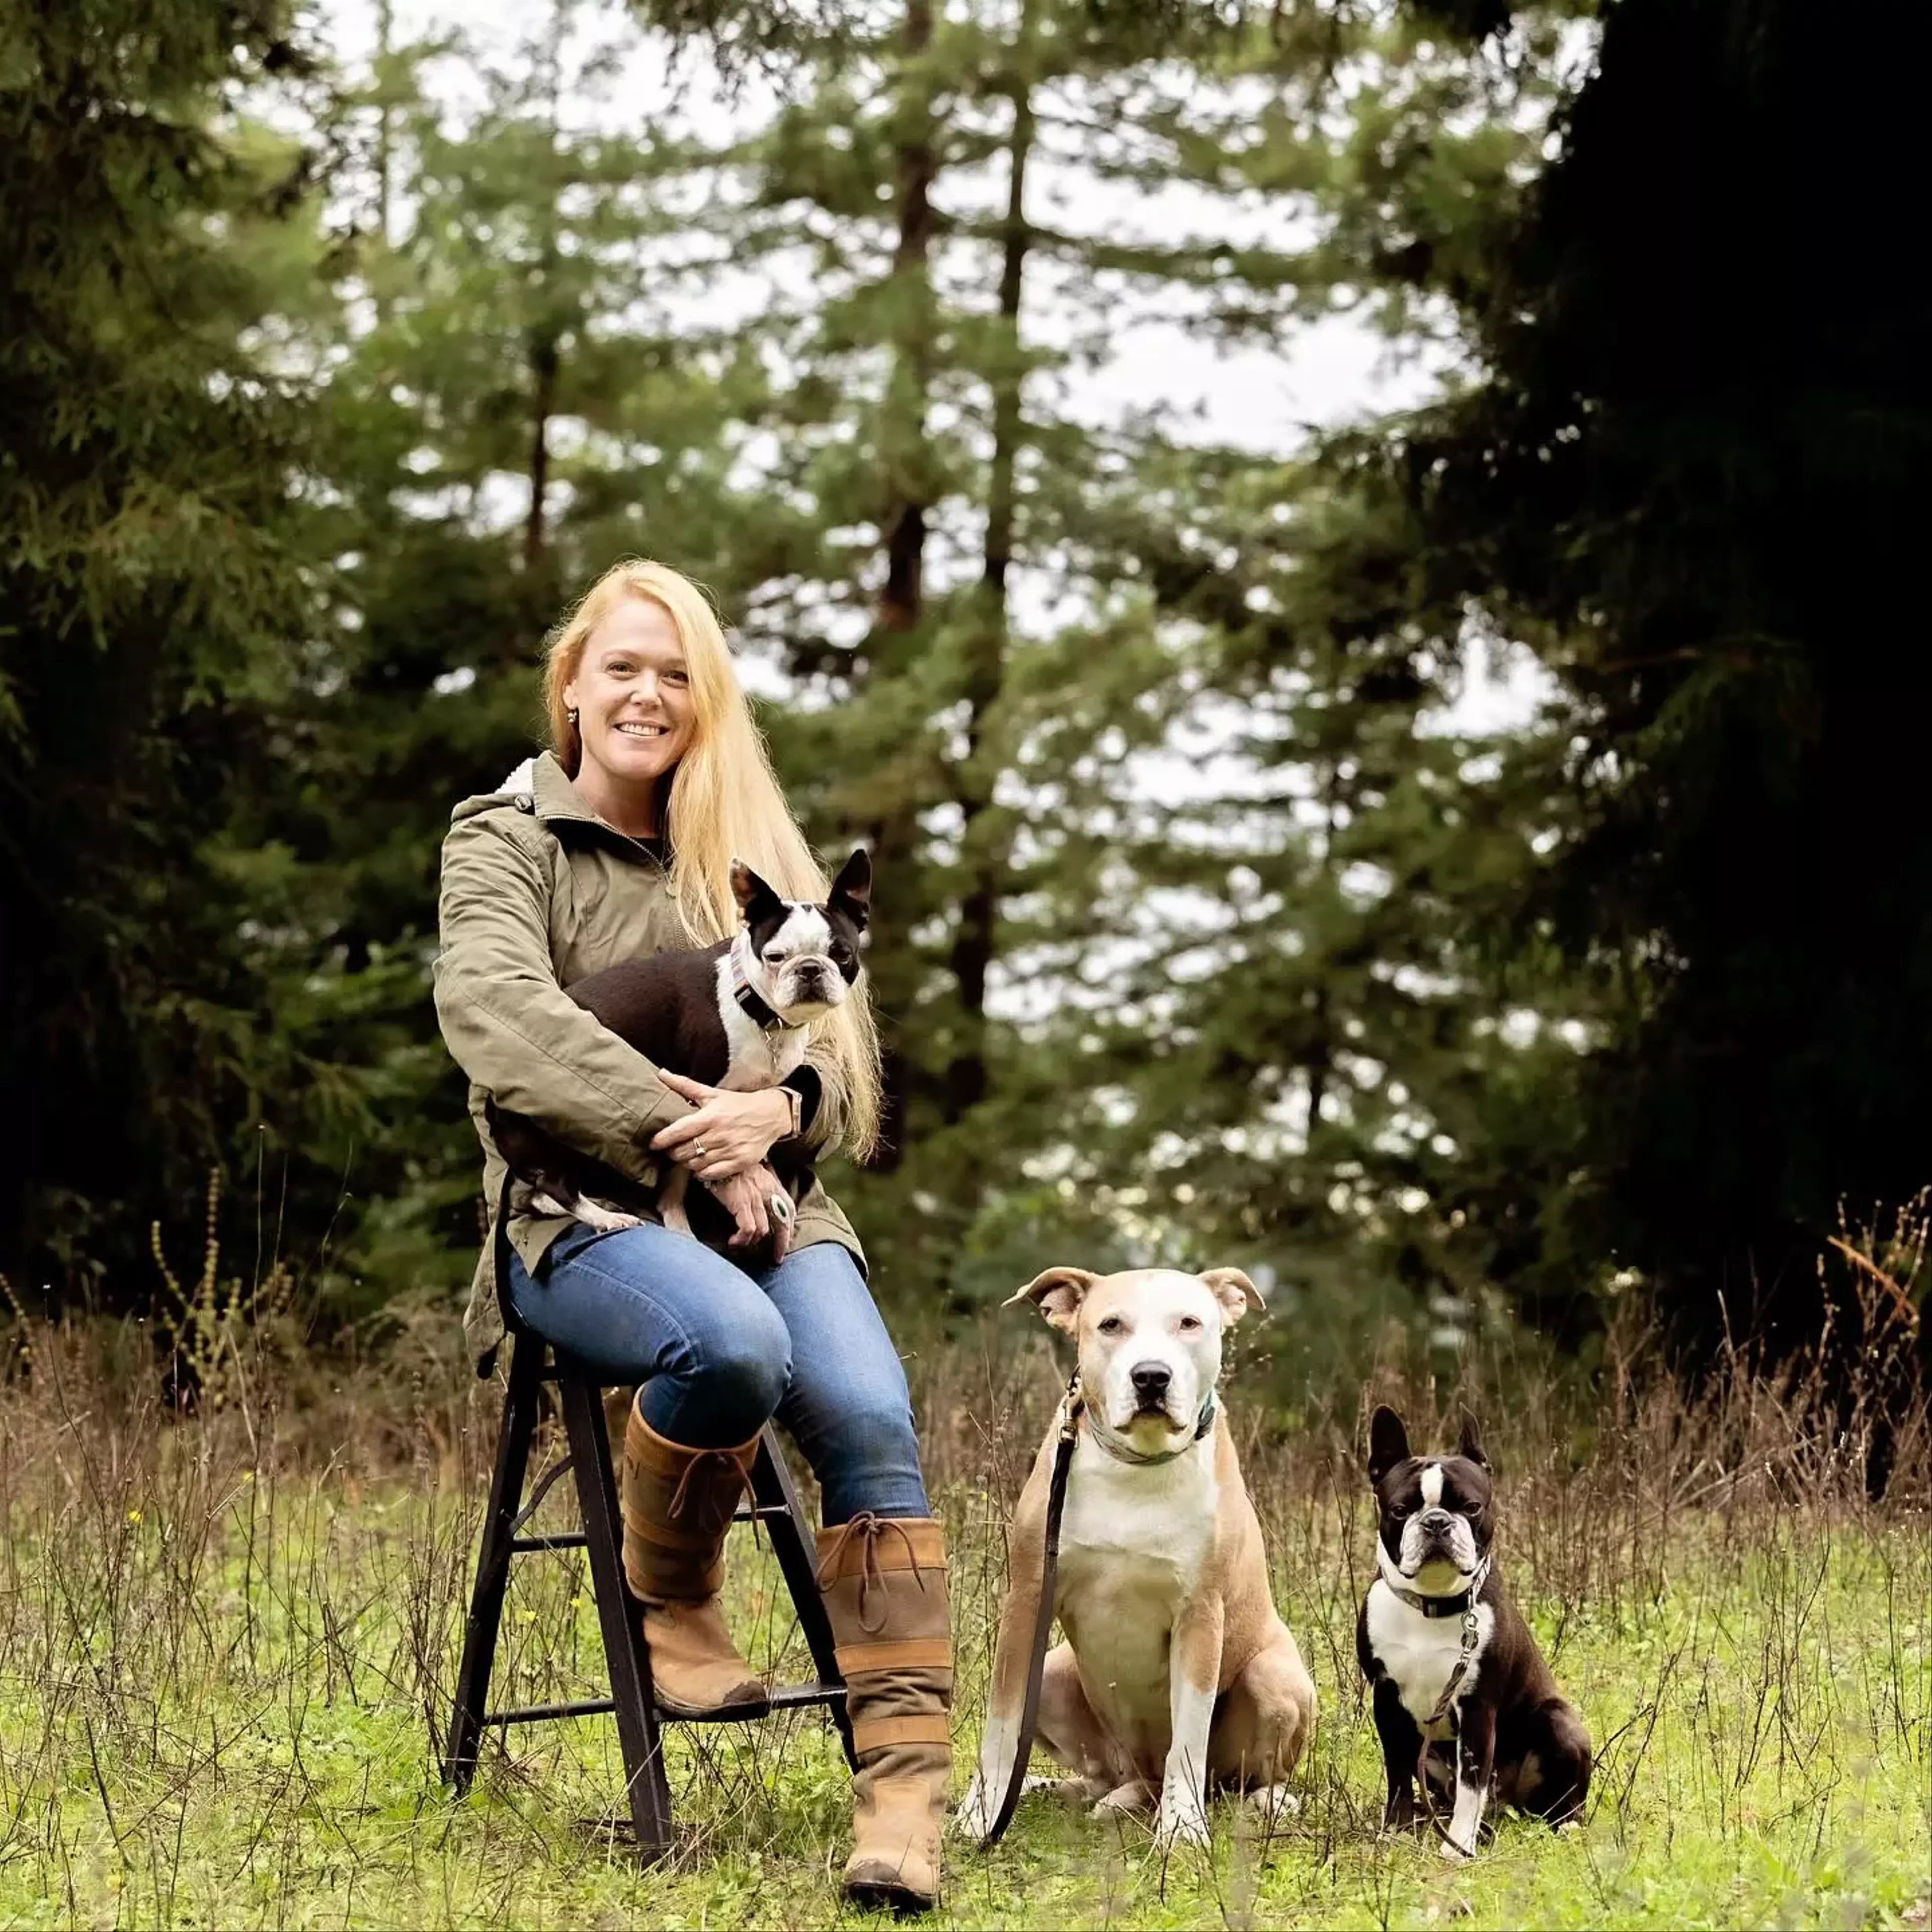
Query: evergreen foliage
[512, 396]
[1688, 475]
[151, 583]
[1203, 932]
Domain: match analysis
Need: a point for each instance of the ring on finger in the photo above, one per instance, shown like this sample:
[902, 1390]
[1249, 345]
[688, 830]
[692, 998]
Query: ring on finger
[699, 1149]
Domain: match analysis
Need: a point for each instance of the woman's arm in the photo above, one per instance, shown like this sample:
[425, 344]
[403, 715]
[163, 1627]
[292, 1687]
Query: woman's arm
[512, 1028]
[815, 1129]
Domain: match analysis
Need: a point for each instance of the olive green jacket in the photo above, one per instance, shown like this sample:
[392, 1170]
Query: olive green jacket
[537, 892]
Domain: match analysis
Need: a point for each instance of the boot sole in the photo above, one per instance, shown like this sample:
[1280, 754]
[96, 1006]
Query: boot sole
[747, 1708]
[881, 1895]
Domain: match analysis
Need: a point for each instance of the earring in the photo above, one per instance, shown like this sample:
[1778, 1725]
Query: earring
[571, 714]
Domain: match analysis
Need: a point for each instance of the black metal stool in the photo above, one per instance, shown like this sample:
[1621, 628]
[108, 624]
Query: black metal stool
[774, 1502]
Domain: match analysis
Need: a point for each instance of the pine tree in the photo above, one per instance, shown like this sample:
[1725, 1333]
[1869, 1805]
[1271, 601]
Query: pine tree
[1279, 1035]
[988, 613]
[1687, 476]
[149, 580]
[509, 402]
[989, 764]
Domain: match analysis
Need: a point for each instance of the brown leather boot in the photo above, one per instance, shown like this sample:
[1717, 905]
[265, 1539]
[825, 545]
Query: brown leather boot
[884, 1582]
[677, 1505]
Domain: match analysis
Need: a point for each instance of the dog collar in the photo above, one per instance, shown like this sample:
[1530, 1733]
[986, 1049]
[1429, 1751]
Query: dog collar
[1451, 1606]
[756, 1009]
[1122, 1451]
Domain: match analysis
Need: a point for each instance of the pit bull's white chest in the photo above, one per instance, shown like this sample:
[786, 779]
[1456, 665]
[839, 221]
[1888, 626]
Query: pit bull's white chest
[754, 1058]
[1133, 1544]
[1419, 1653]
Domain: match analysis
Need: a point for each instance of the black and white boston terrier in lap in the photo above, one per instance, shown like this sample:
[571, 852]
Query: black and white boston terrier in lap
[1445, 1651]
[733, 1015]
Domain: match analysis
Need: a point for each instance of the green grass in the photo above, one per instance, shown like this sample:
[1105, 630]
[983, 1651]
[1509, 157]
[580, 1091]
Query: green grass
[218, 1683]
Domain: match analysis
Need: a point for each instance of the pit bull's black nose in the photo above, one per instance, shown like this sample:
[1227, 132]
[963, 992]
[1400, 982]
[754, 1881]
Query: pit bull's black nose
[1436, 1521]
[1150, 1380]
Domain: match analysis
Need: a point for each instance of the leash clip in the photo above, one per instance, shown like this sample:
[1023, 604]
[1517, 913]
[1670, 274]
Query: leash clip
[1070, 1406]
[1472, 1629]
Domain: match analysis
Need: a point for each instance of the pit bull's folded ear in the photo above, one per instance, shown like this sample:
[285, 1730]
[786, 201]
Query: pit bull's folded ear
[1388, 1442]
[749, 889]
[1234, 1290]
[852, 890]
[1058, 1294]
[1471, 1446]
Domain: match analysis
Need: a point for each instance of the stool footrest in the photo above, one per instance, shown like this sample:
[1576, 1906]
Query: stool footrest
[793, 1696]
[538, 1714]
[786, 1697]
[574, 1539]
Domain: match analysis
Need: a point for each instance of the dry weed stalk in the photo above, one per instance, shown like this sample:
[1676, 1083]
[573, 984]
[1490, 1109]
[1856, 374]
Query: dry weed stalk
[185, 1595]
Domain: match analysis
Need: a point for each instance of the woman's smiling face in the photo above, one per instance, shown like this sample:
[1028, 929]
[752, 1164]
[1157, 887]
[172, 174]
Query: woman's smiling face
[631, 691]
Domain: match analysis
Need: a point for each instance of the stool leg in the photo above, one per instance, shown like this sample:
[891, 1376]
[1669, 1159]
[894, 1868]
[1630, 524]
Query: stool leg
[621, 1616]
[772, 1488]
[493, 1564]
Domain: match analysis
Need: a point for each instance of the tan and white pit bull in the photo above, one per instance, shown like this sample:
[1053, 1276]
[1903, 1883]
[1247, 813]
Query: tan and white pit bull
[1177, 1676]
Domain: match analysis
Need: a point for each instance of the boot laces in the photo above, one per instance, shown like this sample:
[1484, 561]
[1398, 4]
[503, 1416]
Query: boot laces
[714, 1500]
[867, 1527]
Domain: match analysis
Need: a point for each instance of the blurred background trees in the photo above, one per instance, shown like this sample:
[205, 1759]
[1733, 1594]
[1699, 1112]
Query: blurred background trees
[1213, 921]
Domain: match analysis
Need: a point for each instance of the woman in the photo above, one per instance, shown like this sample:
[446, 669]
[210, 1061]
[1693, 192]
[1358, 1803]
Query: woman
[618, 841]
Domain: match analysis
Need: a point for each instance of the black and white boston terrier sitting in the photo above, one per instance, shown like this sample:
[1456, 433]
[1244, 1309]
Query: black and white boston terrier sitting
[733, 1015]
[1448, 1657]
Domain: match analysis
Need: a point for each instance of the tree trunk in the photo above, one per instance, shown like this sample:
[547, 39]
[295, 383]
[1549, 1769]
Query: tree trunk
[544, 366]
[1318, 1059]
[983, 854]
[902, 601]
[544, 358]
[385, 156]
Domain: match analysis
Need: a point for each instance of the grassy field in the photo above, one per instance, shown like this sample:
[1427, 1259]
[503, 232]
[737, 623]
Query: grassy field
[226, 1644]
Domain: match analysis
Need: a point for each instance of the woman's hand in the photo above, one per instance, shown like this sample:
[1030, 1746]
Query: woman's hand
[747, 1197]
[729, 1134]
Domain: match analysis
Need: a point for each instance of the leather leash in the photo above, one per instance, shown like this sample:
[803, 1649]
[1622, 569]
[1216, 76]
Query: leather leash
[1472, 1631]
[499, 1267]
[1070, 1407]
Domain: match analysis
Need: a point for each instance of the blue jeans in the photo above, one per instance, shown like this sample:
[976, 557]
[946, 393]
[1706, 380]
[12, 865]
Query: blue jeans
[720, 1353]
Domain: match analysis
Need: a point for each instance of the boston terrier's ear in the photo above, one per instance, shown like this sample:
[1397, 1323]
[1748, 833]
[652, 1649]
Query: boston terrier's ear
[1471, 1447]
[1233, 1290]
[852, 890]
[749, 890]
[1388, 1442]
[1058, 1294]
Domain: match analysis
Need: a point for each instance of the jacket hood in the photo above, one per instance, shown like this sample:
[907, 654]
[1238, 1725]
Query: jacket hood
[537, 785]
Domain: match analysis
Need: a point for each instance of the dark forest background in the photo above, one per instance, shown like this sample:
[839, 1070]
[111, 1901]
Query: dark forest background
[323, 389]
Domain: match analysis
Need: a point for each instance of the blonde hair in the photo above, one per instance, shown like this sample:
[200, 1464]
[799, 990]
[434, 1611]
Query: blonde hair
[725, 802]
